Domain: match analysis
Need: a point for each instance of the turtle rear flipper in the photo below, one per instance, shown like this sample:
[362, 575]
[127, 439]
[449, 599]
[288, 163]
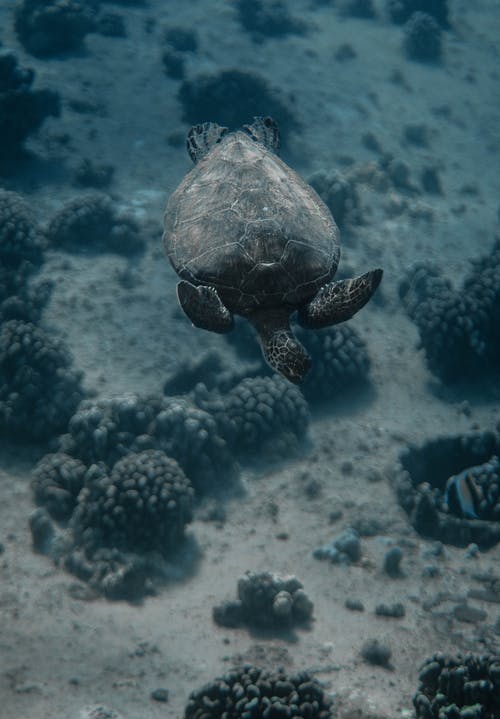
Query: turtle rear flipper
[204, 307]
[339, 300]
[202, 138]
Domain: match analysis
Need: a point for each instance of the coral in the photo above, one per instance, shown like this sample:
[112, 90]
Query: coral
[254, 692]
[343, 549]
[92, 223]
[20, 240]
[232, 98]
[421, 477]
[93, 174]
[182, 39]
[401, 10]
[108, 429]
[50, 27]
[266, 599]
[143, 505]
[39, 389]
[258, 413]
[422, 38]
[173, 64]
[339, 194]
[22, 109]
[268, 19]
[193, 438]
[339, 360]
[458, 330]
[456, 687]
[21, 253]
[375, 652]
[56, 482]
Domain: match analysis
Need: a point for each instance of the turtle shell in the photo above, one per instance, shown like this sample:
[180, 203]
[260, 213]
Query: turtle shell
[245, 223]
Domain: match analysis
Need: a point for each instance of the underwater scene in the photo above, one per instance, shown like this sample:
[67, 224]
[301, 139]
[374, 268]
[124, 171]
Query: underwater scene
[249, 359]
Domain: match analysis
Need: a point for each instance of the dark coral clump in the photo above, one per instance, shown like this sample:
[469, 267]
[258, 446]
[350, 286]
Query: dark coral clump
[421, 480]
[268, 19]
[22, 109]
[400, 11]
[266, 599]
[339, 194]
[232, 98]
[144, 504]
[459, 687]
[422, 38]
[47, 28]
[20, 240]
[193, 437]
[459, 330]
[21, 253]
[39, 388]
[259, 694]
[258, 412]
[108, 429]
[56, 483]
[339, 360]
[93, 224]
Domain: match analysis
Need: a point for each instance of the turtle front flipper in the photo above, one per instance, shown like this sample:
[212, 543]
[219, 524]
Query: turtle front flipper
[204, 307]
[339, 300]
[201, 139]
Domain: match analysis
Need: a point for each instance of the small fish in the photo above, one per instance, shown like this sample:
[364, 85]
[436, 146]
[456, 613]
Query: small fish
[462, 495]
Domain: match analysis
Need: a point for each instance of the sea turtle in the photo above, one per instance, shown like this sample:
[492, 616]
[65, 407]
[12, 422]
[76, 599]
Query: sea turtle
[248, 236]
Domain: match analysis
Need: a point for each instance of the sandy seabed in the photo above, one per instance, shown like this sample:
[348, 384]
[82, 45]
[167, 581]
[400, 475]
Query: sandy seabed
[58, 652]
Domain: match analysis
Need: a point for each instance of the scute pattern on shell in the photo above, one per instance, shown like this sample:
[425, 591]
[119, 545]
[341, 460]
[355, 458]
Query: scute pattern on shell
[243, 222]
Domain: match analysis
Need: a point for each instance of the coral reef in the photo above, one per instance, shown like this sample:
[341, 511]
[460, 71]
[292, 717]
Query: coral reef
[268, 19]
[459, 687]
[92, 223]
[39, 389]
[339, 195]
[21, 253]
[108, 429]
[260, 411]
[450, 487]
[400, 11]
[339, 360]
[422, 38]
[249, 690]
[266, 599]
[345, 548]
[22, 109]
[181, 39]
[232, 97]
[458, 330]
[192, 437]
[125, 524]
[143, 505]
[47, 28]
[56, 483]
[20, 240]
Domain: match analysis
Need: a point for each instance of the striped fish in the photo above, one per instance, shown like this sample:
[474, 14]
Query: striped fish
[462, 495]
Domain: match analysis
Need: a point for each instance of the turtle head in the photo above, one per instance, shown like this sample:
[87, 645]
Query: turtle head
[286, 355]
